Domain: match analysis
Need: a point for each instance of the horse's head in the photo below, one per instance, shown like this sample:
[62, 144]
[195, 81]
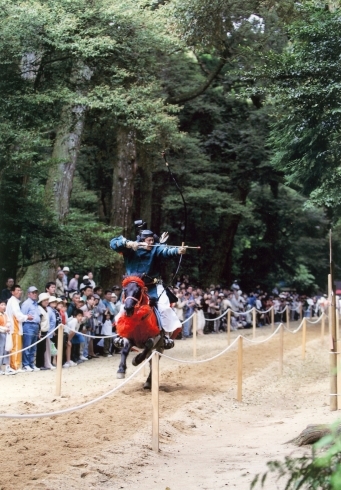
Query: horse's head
[133, 289]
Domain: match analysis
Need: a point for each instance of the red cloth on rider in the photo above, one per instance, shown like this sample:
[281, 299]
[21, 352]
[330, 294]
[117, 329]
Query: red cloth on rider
[139, 327]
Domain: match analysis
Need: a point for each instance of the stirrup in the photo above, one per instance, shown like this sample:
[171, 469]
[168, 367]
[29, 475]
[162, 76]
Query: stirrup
[118, 342]
[168, 343]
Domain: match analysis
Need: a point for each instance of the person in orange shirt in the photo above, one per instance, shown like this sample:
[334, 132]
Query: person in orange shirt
[4, 330]
[16, 318]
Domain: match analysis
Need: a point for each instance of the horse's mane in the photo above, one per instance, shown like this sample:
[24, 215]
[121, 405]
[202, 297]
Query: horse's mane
[130, 279]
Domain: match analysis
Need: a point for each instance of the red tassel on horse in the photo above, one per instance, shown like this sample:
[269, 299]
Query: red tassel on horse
[140, 326]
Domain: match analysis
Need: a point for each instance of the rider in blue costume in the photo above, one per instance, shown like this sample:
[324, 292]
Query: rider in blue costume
[143, 260]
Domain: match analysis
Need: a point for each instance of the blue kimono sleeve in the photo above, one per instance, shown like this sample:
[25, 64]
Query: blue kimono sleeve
[118, 243]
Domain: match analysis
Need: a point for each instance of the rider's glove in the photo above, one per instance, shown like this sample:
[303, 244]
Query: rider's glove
[133, 245]
[164, 237]
[181, 250]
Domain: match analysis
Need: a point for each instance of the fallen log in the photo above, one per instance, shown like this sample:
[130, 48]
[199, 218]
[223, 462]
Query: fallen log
[313, 433]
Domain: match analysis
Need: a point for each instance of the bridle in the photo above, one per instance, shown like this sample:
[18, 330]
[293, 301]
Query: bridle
[143, 294]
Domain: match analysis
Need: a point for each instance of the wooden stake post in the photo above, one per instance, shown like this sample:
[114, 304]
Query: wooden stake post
[59, 360]
[272, 318]
[254, 315]
[281, 349]
[194, 331]
[304, 336]
[333, 333]
[155, 402]
[240, 370]
[228, 326]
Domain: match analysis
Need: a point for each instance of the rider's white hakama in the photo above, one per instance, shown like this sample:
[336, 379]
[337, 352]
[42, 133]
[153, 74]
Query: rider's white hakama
[169, 319]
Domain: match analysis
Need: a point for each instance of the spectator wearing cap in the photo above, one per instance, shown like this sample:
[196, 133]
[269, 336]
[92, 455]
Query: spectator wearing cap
[115, 304]
[66, 271]
[85, 282]
[43, 302]
[74, 282]
[60, 291]
[7, 293]
[30, 329]
[91, 280]
[16, 318]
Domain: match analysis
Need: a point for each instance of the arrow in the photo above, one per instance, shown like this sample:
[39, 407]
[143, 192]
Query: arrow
[174, 246]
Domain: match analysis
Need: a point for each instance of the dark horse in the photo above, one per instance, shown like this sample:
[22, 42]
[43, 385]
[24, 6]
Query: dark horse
[137, 326]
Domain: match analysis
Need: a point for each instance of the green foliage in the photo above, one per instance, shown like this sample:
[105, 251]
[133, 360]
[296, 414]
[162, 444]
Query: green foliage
[306, 89]
[321, 470]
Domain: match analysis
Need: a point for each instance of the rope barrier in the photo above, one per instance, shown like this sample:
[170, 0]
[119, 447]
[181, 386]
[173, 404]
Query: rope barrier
[297, 329]
[265, 340]
[113, 390]
[78, 407]
[319, 318]
[28, 347]
[184, 361]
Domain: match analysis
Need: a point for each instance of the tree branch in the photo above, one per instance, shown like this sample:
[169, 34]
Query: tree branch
[181, 99]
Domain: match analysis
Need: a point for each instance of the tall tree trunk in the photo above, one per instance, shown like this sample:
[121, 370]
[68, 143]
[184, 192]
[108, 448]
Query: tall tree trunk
[65, 153]
[59, 184]
[123, 180]
[221, 259]
[143, 199]
[124, 174]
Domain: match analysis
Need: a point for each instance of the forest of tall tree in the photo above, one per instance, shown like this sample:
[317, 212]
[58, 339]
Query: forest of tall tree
[242, 96]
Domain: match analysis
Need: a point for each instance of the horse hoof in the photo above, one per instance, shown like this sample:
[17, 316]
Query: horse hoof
[136, 360]
[120, 375]
[147, 385]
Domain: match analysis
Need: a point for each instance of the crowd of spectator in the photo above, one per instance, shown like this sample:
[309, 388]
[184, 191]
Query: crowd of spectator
[84, 308]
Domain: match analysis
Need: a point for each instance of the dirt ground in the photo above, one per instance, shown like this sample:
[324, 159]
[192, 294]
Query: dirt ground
[207, 439]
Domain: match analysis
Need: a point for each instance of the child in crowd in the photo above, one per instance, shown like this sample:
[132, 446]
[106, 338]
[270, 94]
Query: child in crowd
[72, 328]
[4, 330]
[107, 330]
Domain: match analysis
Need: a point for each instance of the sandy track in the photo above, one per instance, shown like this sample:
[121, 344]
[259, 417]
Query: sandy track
[208, 440]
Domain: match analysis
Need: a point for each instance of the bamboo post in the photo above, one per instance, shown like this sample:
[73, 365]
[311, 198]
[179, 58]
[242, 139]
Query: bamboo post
[59, 360]
[323, 322]
[288, 317]
[240, 369]
[254, 313]
[194, 330]
[281, 349]
[304, 337]
[155, 402]
[338, 356]
[337, 325]
[272, 318]
[332, 332]
[228, 326]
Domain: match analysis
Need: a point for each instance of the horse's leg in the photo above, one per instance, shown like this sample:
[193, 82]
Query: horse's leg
[149, 346]
[159, 347]
[123, 364]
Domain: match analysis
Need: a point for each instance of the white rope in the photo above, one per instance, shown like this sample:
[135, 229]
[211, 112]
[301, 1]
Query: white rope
[262, 311]
[188, 318]
[98, 336]
[47, 336]
[78, 407]
[265, 340]
[319, 318]
[221, 316]
[184, 361]
[294, 331]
